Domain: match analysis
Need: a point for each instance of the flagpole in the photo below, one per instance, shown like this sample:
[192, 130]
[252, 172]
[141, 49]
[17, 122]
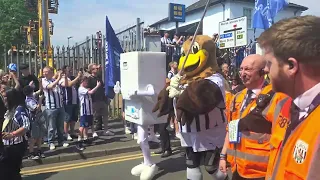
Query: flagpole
[194, 38]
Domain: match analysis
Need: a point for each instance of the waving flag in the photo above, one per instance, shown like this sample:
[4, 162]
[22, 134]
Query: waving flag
[112, 65]
[265, 11]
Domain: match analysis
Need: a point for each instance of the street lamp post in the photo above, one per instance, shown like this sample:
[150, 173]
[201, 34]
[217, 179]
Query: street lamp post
[69, 37]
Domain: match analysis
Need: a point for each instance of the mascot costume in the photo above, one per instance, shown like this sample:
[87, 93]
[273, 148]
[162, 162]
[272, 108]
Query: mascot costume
[197, 98]
[140, 87]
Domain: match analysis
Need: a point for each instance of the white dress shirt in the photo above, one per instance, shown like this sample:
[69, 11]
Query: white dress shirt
[304, 100]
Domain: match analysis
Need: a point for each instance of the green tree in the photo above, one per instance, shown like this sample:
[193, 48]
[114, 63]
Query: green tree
[13, 15]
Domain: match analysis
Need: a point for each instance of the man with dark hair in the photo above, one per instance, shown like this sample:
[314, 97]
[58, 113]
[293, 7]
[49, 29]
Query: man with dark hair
[27, 77]
[69, 84]
[292, 51]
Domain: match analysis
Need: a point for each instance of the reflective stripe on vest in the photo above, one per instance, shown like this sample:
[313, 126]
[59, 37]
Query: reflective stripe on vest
[282, 108]
[250, 157]
[299, 157]
[313, 172]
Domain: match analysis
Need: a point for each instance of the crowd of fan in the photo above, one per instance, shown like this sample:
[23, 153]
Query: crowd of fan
[44, 111]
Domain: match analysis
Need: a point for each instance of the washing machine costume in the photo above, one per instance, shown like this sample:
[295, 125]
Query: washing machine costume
[198, 102]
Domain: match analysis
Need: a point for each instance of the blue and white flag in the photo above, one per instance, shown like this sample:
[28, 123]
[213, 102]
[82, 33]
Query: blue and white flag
[112, 65]
[265, 11]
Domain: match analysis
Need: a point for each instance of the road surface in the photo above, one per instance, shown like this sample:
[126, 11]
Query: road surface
[116, 167]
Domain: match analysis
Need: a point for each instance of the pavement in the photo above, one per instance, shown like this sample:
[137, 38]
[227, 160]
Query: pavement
[113, 167]
[101, 147]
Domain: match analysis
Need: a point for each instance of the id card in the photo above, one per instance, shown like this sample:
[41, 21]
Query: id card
[234, 134]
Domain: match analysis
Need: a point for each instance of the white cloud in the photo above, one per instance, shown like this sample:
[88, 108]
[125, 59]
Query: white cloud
[80, 20]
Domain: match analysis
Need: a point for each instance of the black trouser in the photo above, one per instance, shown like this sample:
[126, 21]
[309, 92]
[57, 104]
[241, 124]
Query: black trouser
[236, 176]
[11, 161]
[164, 135]
[210, 158]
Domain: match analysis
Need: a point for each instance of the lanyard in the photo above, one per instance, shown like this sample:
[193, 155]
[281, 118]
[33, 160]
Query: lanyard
[296, 121]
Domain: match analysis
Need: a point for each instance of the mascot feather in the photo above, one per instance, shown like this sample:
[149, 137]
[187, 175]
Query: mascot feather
[197, 99]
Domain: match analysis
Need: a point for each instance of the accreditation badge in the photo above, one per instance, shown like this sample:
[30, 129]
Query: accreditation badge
[234, 134]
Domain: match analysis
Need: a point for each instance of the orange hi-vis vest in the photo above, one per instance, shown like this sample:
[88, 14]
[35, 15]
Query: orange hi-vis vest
[281, 121]
[298, 158]
[250, 157]
[228, 101]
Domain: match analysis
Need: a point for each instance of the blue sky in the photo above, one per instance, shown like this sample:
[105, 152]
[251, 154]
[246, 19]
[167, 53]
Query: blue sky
[80, 18]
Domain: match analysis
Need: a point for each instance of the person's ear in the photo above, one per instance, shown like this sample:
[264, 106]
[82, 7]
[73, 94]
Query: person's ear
[293, 66]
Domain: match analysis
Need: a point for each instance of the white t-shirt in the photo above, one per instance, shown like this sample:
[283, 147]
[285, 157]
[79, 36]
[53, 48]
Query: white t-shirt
[85, 101]
[53, 97]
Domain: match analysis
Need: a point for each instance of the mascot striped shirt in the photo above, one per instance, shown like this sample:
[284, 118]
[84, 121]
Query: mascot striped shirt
[207, 131]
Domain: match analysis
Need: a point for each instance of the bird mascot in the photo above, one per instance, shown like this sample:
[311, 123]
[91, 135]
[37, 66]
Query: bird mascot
[197, 96]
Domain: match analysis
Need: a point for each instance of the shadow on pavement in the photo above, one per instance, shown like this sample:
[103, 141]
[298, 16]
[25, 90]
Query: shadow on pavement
[72, 148]
[170, 165]
[39, 176]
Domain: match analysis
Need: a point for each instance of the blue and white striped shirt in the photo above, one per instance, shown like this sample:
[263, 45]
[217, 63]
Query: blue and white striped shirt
[85, 102]
[53, 97]
[21, 118]
[70, 95]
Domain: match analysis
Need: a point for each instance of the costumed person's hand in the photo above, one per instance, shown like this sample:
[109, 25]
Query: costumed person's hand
[174, 92]
[173, 88]
[175, 80]
[223, 166]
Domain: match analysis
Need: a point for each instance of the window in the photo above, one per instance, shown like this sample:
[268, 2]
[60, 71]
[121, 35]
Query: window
[248, 12]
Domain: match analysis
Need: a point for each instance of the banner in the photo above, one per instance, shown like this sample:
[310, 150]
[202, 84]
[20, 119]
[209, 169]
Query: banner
[265, 11]
[112, 63]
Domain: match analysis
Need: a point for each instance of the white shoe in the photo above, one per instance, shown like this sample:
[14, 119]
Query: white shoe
[135, 136]
[153, 138]
[52, 146]
[157, 135]
[127, 130]
[149, 172]
[94, 135]
[65, 144]
[69, 138]
[136, 171]
[109, 133]
[178, 135]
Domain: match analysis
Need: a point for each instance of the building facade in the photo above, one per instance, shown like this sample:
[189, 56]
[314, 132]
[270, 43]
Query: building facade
[222, 10]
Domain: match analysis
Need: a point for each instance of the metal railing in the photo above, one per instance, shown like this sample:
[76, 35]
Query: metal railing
[77, 57]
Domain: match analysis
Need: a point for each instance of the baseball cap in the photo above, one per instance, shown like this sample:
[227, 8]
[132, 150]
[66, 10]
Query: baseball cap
[12, 67]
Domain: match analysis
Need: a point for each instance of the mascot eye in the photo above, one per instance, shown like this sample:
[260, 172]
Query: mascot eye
[195, 48]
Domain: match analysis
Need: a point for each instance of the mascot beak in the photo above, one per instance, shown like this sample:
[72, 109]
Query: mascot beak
[196, 60]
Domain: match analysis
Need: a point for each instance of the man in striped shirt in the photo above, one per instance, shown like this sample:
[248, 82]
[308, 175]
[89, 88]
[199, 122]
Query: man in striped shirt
[70, 100]
[54, 112]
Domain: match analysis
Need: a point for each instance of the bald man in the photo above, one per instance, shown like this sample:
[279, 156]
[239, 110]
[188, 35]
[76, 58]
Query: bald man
[249, 123]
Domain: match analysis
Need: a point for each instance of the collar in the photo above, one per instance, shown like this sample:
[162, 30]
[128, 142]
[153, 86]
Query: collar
[257, 91]
[304, 100]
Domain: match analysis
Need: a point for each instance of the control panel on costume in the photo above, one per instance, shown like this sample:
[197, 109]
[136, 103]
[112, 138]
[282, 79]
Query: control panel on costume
[142, 78]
